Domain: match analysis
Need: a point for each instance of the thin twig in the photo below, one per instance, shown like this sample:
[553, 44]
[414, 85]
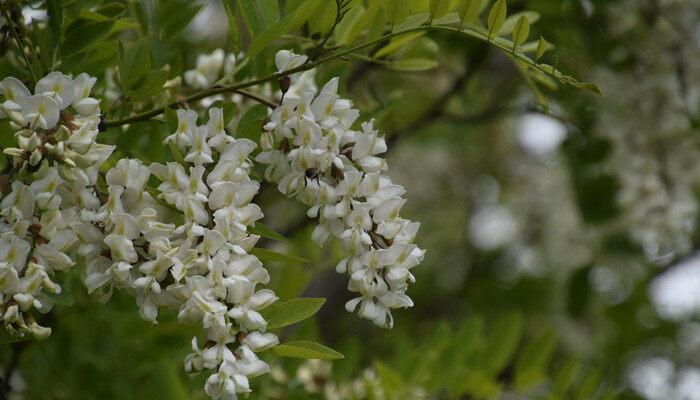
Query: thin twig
[547, 70]
[257, 98]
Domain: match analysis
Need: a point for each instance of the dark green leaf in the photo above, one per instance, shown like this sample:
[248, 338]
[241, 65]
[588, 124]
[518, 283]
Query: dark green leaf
[135, 63]
[82, 33]
[250, 125]
[287, 24]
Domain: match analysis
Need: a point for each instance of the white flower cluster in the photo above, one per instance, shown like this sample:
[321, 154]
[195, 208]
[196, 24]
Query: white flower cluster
[313, 154]
[202, 267]
[209, 68]
[48, 185]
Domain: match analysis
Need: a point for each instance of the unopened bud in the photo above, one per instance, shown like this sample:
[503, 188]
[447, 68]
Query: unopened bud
[285, 82]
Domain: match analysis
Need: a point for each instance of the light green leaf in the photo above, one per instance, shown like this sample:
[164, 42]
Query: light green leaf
[397, 43]
[530, 368]
[468, 10]
[266, 256]
[396, 11]
[351, 25]
[292, 311]
[287, 24]
[503, 340]
[413, 21]
[542, 47]
[566, 376]
[308, 350]
[412, 64]
[264, 230]
[521, 31]
[269, 11]
[438, 8]
[509, 25]
[496, 18]
[589, 385]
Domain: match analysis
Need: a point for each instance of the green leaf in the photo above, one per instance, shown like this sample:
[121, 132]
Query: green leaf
[412, 64]
[438, 8]
[396, 11]
[589, 385]
[351, 25]
[542, 46]
[305, 349]
[392, 381]
[566, 376]
[287, 24]
[468, 11]
[292, 311]
[397, 43]
[171, 119]
[6, 337]
[250, 125]
[413, 21]
[496, 18]
[55, 13]
[521, 31]
[233, 29]
[530, 368]
[249, 13]
[229, 108]
[265, 231]
[503, 340]
[82, 33]
[269, 11]
[111, 10]
[178, 14]
[150, 85]
[135, 62]
[509, 24]
[266, 256]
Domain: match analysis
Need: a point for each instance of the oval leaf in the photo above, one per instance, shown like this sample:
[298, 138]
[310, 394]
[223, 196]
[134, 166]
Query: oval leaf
[496, 18]
[292, 311]
[521, 30]
[308, 350]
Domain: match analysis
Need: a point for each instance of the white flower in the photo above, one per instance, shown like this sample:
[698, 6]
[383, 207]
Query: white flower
[57, 86]
[82, 102]
[15, 93]
[200, 153]
[207, 71]
[286, 60]
[41, 111]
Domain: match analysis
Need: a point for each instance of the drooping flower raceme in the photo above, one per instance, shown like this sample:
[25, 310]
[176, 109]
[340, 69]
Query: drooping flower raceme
[49, 183]
[202, 267]
[314, 155]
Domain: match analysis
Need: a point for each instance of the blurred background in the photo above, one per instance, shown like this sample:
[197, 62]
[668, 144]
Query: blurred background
[562, 242]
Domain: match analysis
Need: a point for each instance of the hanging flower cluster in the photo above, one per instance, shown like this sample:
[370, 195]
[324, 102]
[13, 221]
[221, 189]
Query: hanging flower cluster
[202, 267]
[185, 245]
[48, 187]
[314, 155]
